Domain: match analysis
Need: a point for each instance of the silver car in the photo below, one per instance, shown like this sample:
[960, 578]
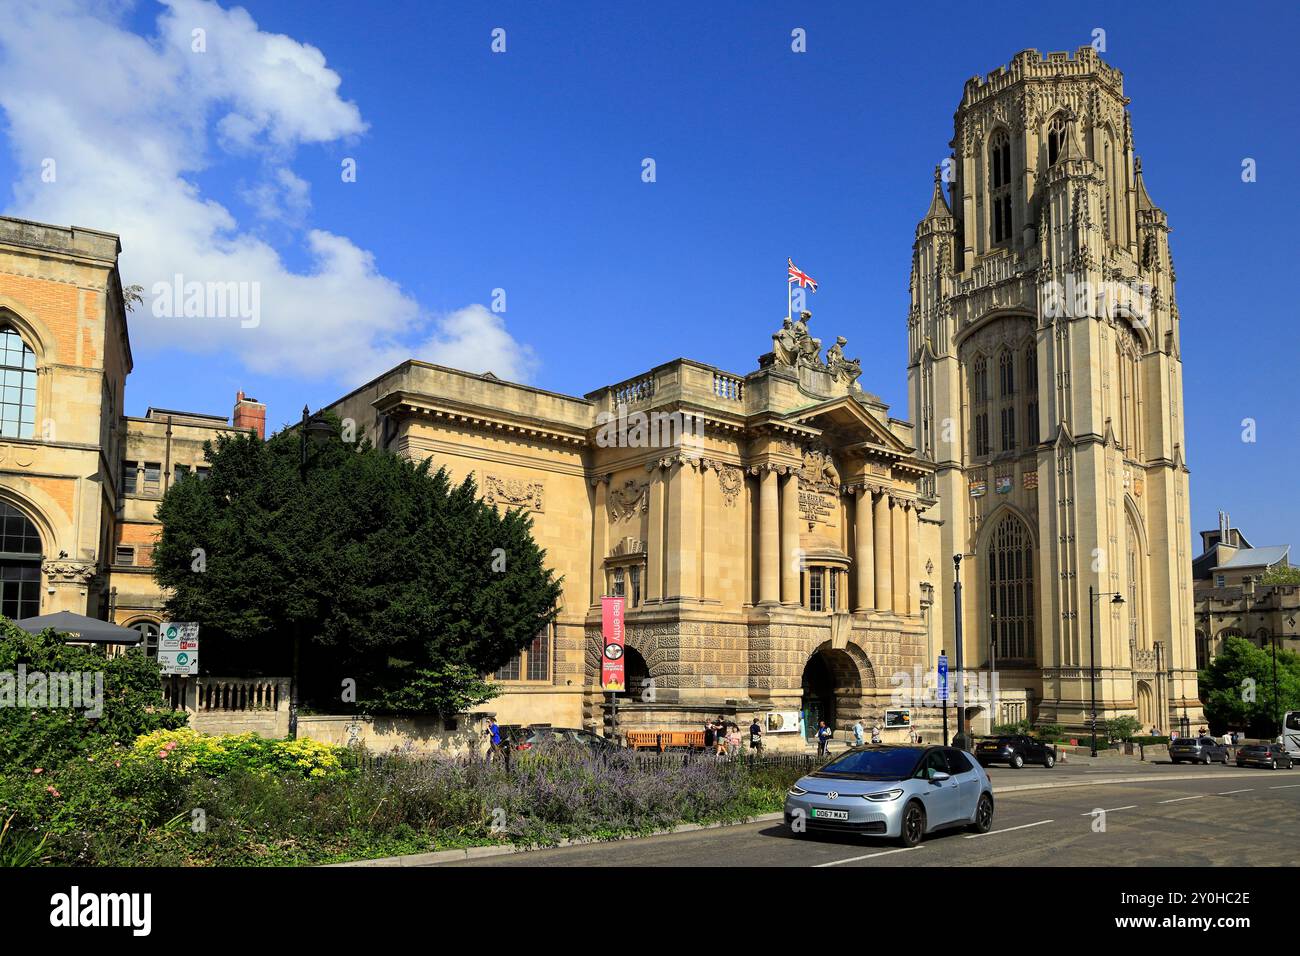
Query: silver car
[898, 792]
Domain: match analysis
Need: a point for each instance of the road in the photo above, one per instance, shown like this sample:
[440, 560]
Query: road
[1223, 817]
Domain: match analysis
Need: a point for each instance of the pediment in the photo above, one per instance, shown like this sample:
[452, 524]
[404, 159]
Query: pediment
[851, 424]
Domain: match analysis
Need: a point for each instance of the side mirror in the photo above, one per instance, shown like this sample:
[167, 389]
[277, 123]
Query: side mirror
[938, 776]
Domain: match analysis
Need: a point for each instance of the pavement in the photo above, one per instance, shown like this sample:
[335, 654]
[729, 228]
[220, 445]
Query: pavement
[1125, 813]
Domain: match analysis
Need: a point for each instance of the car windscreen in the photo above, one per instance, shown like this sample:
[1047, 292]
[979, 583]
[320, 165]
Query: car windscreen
[893, 764]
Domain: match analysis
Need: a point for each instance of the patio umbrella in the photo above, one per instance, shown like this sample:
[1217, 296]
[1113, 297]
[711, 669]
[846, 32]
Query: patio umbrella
[79, 629]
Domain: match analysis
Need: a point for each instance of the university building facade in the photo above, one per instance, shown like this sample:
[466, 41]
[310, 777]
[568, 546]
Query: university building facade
[785, 546]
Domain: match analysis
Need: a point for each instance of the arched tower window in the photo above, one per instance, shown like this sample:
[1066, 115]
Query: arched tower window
[1031, 395]
[1000, 186]
[20, 564]
[1055, 138]
[1134, 596]
[1011, 590]
[980, 414]
[1127, 352]
[18, 398]
[1007, 392]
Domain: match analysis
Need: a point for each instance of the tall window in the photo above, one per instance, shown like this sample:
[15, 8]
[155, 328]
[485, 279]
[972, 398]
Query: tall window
[1009, 428]
[1000, 186]
[816, 602]
[18, 399]
[1055, 139]
[982, 434]
[1011, 590]
[20, 564]
[981, 397]
[1006, 374]
[634, 573]
[533, 663]
[981, 379]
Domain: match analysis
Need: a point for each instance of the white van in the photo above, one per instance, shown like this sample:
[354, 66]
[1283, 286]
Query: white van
[1291, 733]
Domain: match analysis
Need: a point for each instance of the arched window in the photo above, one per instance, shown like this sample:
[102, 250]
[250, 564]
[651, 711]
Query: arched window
[18, 398]
[1006, 374]
[149, 634]
[980, 397]
[1031, 395]
[1055, 138]
[1000, 186]
[981, 379]
[1134, 597]
[20, 564]
[1011, 590]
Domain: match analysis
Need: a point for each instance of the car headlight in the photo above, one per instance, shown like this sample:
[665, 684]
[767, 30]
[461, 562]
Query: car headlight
[883, 797]
[797, 791]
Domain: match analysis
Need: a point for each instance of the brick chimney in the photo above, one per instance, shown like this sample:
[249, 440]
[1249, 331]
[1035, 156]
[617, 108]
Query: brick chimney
[250, 415]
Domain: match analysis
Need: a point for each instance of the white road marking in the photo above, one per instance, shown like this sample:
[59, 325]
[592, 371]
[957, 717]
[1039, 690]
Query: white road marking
[1224, 793]
[1023, 826]
[1288, 786]
[1180, 799]
[869, 856]
[1131, 806]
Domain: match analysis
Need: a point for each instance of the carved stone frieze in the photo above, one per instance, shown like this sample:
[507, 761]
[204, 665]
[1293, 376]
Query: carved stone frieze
[513, 492]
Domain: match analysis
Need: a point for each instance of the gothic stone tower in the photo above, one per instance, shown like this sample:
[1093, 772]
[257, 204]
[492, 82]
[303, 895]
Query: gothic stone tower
[1046, 387]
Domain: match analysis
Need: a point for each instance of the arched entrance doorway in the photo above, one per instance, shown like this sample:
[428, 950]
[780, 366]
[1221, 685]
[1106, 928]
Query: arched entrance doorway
[1146, 706]
[636, 675]
[831, 689]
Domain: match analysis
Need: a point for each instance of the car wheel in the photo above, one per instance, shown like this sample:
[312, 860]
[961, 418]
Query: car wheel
[1049, 761]
[1017, 761]
[913, 825]
[983, 814]
[1206, 761]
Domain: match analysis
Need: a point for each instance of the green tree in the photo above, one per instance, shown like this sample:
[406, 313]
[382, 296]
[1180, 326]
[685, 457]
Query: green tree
[45, 735]
[1123, 727]
[390, 575]
[1237, 688]
[1282, 574]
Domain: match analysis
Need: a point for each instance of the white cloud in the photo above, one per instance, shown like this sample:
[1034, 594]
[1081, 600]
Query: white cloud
[129, 122]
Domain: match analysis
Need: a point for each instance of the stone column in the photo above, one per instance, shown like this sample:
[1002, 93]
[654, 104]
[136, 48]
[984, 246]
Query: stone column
[599, 536]
[864, 560]
[654, 562]
[913, 557]
[790, 540]
[683, 530]
[769, 537]
[884, 565]
[898, 552]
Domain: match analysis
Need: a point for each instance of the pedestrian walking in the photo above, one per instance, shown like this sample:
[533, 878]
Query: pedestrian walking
[720, 739]
[756, 737]
[733, 740]
[857, 733]
[823, 735]
[493, 734]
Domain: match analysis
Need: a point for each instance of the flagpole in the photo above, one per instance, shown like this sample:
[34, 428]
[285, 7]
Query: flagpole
[789, 295]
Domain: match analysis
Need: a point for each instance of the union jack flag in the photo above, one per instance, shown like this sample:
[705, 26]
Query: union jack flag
[801, 277]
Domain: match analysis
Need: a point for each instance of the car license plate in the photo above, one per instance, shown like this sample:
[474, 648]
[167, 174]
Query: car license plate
[830, 814]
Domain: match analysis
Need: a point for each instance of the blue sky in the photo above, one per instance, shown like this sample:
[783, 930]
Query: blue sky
[521, 171]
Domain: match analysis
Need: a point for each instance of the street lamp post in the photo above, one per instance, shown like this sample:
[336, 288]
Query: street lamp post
[1093, 597]
[993, 669]
[961, 689]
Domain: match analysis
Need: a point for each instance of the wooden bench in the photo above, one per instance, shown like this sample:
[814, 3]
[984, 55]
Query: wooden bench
[662, 740]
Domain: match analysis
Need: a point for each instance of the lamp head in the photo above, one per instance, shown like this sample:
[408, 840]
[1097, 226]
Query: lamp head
[1117, 599]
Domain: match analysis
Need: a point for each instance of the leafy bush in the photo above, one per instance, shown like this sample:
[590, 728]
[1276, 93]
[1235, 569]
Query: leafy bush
[46, 736]
[216, 756]
[129, 808]
[1122, 728]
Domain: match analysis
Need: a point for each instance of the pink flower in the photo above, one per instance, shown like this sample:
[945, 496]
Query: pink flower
[52, 791]
[117, 763]
[170, 745]
[39, 770]
[162, 755]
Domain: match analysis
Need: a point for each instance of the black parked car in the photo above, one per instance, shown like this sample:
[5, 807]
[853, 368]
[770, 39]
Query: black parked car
[1015, 750]
[1271, 756]
[1204, 750]
[529, 738]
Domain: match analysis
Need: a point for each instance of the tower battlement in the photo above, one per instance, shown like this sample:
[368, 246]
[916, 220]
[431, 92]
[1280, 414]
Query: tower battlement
[1032, 65]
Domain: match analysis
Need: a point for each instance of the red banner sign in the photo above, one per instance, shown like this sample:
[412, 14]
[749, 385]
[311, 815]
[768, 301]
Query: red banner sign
[611, 658]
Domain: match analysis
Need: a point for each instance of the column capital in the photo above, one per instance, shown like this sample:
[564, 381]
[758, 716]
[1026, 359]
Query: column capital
[600, 479]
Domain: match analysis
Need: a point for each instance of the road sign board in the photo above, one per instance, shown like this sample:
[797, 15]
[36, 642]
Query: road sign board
[943, 677]
[178, 647]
